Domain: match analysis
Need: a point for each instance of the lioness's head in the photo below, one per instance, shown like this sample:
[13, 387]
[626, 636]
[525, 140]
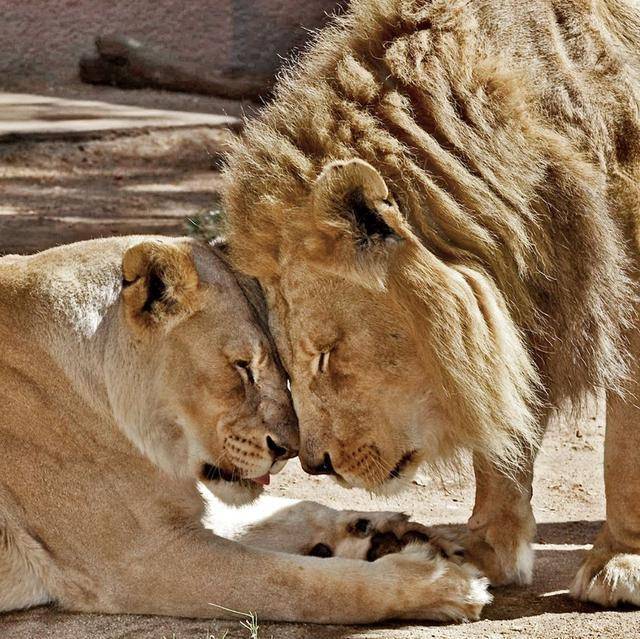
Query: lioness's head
[198, 386]
[396, 356]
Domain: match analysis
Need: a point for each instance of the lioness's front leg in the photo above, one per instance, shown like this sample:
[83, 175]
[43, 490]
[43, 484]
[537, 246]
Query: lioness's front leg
[191, 572]
[610, 573]
[309, 528]
[502, 526]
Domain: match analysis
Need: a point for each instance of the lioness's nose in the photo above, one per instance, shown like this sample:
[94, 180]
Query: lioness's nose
[325, 467]
[278, 450]
[281, 423]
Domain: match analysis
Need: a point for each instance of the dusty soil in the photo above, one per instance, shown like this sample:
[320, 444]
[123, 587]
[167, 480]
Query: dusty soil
[569, 506]
[52, 193]
[150, 182]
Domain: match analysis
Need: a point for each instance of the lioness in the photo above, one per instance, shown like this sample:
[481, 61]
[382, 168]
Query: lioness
[442, 206]
[130, 369]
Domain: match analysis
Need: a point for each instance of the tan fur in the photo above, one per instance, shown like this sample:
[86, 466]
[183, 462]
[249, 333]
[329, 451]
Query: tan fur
[129, 369]
[443, 199]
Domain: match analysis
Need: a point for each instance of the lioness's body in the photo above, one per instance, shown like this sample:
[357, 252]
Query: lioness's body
[129, 369]
[442, 205]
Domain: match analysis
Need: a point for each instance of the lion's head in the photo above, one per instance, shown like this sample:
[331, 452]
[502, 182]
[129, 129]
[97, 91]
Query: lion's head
[395, 357]
[201, 390]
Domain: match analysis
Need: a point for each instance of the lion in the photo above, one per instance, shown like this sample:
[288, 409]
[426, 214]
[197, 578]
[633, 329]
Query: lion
[131, 370]
[441, 205]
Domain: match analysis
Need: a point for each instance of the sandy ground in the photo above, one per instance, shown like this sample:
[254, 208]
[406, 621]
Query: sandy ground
[56, 192]
[569, 506]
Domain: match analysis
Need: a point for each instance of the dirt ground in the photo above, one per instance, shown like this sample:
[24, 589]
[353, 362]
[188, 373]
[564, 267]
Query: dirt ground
[150, 182]
[54, 192]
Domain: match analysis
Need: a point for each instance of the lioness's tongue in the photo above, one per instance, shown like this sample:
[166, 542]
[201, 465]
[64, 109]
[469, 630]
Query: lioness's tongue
[264, 479]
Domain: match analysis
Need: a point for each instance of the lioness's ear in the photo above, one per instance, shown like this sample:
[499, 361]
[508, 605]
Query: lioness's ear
[357, 223]
[159, 283]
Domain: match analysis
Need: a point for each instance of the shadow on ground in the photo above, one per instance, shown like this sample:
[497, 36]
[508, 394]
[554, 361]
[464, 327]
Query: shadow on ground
[547, 596]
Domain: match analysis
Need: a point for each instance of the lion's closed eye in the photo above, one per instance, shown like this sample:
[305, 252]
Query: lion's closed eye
[321, 362]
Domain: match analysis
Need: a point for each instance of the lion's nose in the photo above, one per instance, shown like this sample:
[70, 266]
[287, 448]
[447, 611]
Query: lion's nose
[325, 467]
[278, 451]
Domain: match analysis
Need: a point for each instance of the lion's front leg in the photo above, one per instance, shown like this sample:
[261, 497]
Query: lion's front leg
[502, 526]
[610, 573]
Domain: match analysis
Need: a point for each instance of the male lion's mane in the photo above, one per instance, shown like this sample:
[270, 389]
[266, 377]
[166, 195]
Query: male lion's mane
[508, 134]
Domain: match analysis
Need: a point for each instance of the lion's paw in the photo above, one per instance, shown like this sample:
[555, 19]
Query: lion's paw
[433, 587]
[504, 564]
[608, 578]
[502, 549]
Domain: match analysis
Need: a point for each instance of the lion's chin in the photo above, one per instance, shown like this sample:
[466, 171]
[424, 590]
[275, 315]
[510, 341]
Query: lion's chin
[236, 493]
[387, 488]
[393, 485]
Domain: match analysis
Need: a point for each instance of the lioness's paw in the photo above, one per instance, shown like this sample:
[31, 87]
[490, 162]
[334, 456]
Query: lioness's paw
[372, 535]
[433, 587]
[608, 578]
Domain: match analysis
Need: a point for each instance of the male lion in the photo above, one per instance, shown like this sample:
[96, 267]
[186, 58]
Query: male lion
[441, 205]
[131, 368]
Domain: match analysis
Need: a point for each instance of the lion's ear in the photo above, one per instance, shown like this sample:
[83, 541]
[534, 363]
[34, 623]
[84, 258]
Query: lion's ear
[160, 283]
[357, 223]
[355, 193]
